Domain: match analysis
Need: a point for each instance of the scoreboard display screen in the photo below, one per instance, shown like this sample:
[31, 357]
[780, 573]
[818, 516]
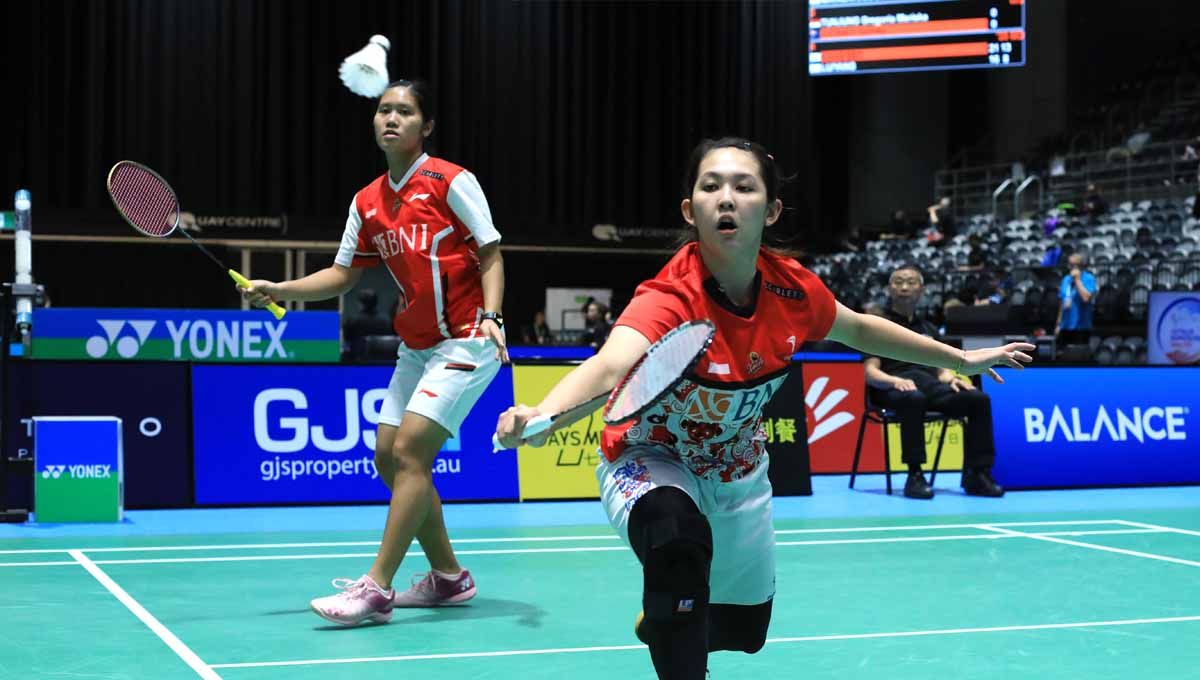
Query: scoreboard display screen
[881, 36]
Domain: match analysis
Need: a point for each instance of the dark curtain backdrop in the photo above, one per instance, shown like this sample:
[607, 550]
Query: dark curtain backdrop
[570, 113]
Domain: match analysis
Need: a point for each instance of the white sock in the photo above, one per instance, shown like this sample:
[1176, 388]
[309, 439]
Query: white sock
[447, 576]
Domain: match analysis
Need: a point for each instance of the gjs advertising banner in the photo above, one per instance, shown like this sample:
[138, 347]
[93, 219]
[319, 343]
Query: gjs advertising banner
[1060, 427]
[184, 335]
[267, 434]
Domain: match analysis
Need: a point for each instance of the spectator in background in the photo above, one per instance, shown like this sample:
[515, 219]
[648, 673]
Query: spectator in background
[1132, 146]
[1196, 200]
[911, 389]
[852, 240]
[1094, 204]
[597, 324]
[537, 333]
[976, 261]
[368, 321]
[1075, 296]
[899, 227]
[941, 223]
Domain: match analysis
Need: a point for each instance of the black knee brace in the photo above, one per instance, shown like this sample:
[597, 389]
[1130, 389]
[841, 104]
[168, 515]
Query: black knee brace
[674, 542]
[738, 628]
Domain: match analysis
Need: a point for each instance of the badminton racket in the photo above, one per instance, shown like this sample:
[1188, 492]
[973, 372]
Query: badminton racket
[148, 204]
[662, 367]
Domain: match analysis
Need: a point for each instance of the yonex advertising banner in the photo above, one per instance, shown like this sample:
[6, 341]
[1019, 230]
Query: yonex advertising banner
[1064, 427]
[1173, 328]
[78, 470]
[306, 434]
[184, 335]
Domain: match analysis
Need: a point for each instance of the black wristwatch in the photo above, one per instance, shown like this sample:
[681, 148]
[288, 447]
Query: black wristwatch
[494, 316]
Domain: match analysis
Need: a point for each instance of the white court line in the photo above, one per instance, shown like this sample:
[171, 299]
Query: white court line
[918, 527]
[520, 551]
[1173, 530]
[202, 669]
[1093, 546]
[968, 537]
[810, 638]
[534, 539]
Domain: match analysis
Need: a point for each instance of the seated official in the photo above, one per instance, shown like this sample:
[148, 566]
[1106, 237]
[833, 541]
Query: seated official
[910, 390]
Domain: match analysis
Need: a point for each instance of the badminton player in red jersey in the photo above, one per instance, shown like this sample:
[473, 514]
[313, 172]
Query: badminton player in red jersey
[685, 484]
[428, 223]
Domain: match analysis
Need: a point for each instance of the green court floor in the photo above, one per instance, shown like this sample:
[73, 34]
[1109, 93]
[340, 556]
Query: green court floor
[1050, 595]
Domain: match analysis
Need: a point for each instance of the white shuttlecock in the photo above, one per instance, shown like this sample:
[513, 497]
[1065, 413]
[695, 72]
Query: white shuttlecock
[365, 71]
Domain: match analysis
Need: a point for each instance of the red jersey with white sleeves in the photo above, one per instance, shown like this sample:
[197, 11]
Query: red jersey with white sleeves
[426, 230]
[712, 420]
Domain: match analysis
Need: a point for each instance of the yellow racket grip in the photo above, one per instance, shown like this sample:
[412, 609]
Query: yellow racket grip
[243, 282]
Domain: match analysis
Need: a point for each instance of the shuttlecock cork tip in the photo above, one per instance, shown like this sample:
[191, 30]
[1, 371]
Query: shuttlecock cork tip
[382, 41]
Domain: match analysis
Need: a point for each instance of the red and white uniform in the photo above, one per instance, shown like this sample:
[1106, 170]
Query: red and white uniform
[712, 420]
[705, 436]
[426, 230]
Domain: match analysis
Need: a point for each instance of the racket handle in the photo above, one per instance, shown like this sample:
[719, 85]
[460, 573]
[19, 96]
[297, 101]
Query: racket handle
[533, 427]
[243, 282]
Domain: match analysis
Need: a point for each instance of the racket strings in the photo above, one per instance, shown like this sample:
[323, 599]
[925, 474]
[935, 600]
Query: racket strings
[662, 367]
[144, 200]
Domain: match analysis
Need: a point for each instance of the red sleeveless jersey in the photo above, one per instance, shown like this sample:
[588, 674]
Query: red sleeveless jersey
[426, 230]
[712, 419]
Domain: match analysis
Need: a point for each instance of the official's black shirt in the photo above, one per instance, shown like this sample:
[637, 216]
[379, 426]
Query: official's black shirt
[916, 325]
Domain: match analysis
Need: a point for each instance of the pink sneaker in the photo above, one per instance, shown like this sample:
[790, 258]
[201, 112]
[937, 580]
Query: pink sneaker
[359, 601]
[431, 590]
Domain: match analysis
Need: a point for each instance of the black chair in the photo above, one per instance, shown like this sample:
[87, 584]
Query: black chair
[885, 417]
[381, 346]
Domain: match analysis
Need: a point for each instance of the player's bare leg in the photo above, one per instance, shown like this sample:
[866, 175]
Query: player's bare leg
[415, 445]
[432, 536]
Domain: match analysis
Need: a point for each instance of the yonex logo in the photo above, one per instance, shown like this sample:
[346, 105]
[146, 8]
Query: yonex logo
[822, 406]
[78, 471]
[127, 346]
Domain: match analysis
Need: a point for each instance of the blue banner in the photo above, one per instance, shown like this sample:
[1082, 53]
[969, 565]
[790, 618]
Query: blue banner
[268, 434]
[150, 399]
[184, 335]
[1064, 427]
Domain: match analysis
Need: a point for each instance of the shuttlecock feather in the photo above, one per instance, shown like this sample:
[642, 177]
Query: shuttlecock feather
[365, 71]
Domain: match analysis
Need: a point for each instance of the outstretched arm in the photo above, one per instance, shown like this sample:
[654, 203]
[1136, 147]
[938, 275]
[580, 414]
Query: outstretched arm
[598, 375]
[877, 336]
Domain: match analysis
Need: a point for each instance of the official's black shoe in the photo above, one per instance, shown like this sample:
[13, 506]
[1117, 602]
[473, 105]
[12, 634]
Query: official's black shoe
[917, 487]
[979, 482]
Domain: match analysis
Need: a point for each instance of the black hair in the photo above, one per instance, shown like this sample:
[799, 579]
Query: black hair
[909, 266]
[773, 180]
[422, 91]
[766, 163]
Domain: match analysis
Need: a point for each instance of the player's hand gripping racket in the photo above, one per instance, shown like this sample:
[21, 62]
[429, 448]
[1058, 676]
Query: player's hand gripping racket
[664, 364]
[149, 205]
